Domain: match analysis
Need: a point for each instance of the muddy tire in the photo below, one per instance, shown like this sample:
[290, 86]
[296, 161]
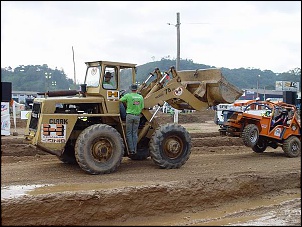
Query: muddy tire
[142, 150]
[99, 149]
[292, 147]
[250, 135]
[170, 146]
[260, 146]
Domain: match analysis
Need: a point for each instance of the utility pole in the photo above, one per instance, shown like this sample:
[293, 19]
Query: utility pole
[258, 86]
[177, 57]
[177, 25]
[74, 68]
[178, 41]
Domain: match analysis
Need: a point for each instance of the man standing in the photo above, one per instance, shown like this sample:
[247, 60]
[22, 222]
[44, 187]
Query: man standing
[135, 105]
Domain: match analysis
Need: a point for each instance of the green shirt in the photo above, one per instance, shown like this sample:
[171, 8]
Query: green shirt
[105, 82]
[135, 103]
[108, 85]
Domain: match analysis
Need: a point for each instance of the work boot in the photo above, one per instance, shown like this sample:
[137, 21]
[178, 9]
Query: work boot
[132, 152]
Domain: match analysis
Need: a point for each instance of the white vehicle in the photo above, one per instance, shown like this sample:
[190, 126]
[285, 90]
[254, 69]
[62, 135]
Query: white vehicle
[219, 117]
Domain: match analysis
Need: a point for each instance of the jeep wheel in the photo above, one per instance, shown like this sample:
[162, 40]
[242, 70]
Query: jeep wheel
[170, 146]
[99, 149]
[250, 135]
[260, 146]
[292, 147]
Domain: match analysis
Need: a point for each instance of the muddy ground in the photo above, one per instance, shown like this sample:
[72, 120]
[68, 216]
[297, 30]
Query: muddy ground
[222, 183]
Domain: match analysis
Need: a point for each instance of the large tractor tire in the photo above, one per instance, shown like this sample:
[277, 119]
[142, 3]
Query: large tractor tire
[142, 150]
[260, 146]
[292, 147]
[170, 146]
[99, 149]
[250, 135]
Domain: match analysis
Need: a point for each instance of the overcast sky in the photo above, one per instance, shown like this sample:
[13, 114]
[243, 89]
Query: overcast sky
[256, 34]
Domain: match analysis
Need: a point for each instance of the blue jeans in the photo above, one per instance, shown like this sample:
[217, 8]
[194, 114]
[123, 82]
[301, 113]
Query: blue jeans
[132, 123]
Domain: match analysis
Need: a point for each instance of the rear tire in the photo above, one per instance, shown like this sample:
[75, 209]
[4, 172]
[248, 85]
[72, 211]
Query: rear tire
[292, 147]
[250, 135]
[99, 149]
[170, 146]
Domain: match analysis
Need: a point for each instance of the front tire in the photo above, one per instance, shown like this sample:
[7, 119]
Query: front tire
[170, 146]
[292, 147]
[99, 149]
[250, 135]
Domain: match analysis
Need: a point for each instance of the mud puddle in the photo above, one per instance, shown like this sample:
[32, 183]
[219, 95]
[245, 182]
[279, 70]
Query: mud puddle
[14, 191]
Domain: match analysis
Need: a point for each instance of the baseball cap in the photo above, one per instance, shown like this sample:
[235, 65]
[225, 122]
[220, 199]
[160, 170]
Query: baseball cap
[133, 87]
[108, 74]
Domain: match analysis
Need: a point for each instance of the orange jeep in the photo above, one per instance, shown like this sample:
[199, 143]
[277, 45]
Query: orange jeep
[264, 123]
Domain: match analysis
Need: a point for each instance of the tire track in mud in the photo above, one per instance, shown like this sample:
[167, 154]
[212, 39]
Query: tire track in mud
[214, 140]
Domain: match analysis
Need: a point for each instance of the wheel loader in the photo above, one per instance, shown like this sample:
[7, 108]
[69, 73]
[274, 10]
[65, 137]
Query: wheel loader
[87, 126]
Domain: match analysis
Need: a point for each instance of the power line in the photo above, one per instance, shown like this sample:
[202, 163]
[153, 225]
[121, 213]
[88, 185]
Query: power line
[196, 23]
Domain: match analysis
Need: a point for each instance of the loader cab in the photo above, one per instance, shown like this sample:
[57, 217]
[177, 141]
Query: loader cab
[107, 81]
[99, 78]
[104, 76]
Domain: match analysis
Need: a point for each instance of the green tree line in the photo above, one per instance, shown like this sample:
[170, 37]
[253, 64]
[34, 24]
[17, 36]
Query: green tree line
[41, 78]
[36, 78]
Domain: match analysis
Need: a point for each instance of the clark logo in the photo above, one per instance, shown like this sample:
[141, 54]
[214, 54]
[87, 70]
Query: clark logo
[112, 94]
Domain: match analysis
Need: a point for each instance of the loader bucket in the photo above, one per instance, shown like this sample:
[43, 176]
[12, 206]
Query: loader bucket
[208, 85]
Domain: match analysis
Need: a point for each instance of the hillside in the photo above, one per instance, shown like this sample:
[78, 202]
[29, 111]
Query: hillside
[32, 77]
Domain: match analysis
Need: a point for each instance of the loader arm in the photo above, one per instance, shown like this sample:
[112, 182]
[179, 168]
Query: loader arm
[192, 89]
[177, 96]
[145, 89]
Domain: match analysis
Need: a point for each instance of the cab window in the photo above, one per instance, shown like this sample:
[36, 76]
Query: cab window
[110, 78]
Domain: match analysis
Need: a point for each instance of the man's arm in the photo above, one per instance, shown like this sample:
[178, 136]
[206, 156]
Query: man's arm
[124, 98]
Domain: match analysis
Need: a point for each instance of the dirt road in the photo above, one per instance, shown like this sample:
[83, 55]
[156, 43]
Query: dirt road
[222, 183]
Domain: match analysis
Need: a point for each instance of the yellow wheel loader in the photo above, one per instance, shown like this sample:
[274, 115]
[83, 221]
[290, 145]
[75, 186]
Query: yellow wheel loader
[87, 126]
